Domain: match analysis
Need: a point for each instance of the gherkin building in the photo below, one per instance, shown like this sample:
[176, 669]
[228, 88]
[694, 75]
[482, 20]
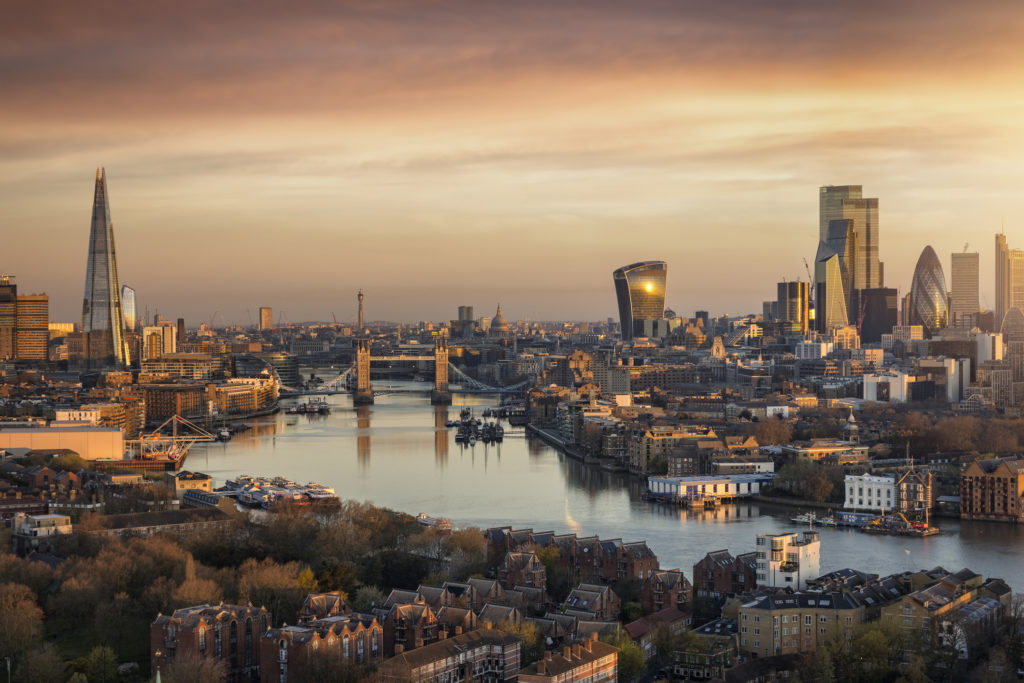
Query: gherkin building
[928, 306]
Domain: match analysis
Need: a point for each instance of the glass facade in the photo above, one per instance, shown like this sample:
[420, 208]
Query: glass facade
[129, 308]
[880, 313]
[928, 294]
[640, 290]
[102, 316]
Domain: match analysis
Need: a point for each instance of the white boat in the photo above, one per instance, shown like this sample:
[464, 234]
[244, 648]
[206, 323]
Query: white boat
[436, 522]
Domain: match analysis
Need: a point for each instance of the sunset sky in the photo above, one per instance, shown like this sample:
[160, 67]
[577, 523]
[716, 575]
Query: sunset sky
[474, 152]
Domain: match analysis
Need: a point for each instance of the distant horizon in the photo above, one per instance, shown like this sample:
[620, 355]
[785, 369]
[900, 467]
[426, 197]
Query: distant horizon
[513, 153]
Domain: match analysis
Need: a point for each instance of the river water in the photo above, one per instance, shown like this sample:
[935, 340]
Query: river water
[398, 454]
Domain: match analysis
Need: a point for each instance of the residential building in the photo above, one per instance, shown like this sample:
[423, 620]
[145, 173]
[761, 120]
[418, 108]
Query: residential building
[788, 560]
[870, 492]
[714, 653]
[590, 661]
[992, 490]
[32, 327]
[719, 574]
[482, 655]
[796, 623]
[666, 588]
[224, 633]
[309, 650]
[592, 603]
[188, 481]
[32, 533]
[521, 568]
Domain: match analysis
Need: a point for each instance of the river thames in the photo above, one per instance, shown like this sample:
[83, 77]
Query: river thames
[399, 454]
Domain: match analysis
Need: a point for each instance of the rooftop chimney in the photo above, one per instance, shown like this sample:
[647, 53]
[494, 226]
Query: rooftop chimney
[567, 653]
[542, 668]
[399, 649]
[547, 655]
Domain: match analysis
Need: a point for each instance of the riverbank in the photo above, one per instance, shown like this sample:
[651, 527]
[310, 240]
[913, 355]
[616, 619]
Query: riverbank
[794, 502]
[552, 439]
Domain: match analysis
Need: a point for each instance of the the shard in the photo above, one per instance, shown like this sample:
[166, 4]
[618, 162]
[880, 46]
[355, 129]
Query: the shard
[102, 317]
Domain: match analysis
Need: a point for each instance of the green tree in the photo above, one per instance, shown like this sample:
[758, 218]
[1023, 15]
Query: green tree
[529, 636]
[194, 669]
[773, 431]
[631, 657]
[101, 665]
[366, 597]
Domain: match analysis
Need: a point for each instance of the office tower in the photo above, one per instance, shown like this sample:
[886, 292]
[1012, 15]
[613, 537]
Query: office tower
[158, 341]
[102, 316]
[879, 313]
[831, 304]
[465, 314]
[1002, 278]
[32, 327]
[129, 308]
[793, 306]
[640, 290]
[928, 294]
[8, 315]
[360, 297]
[702, 316]
[963, 273]
[181, 329]
[856, 242]
[266, 318]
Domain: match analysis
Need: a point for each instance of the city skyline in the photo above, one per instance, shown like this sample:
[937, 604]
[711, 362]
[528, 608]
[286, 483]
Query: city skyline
[497, 148]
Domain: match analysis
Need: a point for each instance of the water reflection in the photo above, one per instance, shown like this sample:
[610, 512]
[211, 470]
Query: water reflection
[363, 436]
[441, 435]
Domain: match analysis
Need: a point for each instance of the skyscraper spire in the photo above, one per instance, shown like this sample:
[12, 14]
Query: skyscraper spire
[102, 317]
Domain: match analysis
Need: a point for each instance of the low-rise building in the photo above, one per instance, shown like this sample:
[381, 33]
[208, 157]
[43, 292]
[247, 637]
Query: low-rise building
[719, 574]
[666, 588]
[484, 654]
[590, 660]
[189, 481]
[795, 623]
[714, 652]
[32, 533]
[309, 650]
[225, 633]
[787, 560]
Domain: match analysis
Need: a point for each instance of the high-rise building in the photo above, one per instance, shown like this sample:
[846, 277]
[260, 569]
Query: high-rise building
[266, 318]
[793, 306]
[32, 329]
[181, 330]
[465, 314]
[848, 227]
[830, 299]
[928, 294]
[879, 313]
[102, 315]
[640, 290]
[129, 308]
[8, 315]
[360, 297]
[963, 273]
[1009, 279]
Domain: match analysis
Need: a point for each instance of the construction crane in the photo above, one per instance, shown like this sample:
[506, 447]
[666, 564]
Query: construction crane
[212, 317]
[335, 317]
[157, 445]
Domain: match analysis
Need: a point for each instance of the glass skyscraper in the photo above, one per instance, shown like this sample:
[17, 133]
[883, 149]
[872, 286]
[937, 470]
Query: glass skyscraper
[102, 315]
[928, 294]
[848, 227]
[640, 290]
[129, 309]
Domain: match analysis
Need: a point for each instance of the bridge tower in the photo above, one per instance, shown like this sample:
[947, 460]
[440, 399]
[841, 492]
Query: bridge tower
[364, 394]
[440, 395]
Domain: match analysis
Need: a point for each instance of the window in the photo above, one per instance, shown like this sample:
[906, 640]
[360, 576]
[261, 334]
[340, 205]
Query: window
[743, 642]
[743, 629]
[757, 618]
[373, 641]
[757, 631]
[807, 620]
[743, 617]
[849, 620]
[785, 619]
[757, 643]
[823, 619]
[344, 647]
[202, 640]
[359, 647]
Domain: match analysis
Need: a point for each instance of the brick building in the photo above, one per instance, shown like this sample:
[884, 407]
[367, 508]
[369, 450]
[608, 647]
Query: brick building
[993, 490]
[720, 574]
[305, 651]
[669, 588]
[588, 660]
[482, 655]
[521, 568]
[228, 633]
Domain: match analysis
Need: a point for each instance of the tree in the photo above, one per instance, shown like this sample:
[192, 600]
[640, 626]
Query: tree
[773, 432]
[101, 665]
[631, 657]
[194, 669]
[41, 664]
[21, 620]
[366, 598]
[529, 636]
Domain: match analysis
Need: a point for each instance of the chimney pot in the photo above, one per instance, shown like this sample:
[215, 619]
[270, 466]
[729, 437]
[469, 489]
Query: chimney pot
[567, 653]
[399, 649]
[547, 655]
[577, 651]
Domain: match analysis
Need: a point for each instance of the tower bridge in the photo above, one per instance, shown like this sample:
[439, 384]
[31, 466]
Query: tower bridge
[358, 375]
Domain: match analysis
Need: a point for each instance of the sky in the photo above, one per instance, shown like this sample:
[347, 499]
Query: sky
[438, 153]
